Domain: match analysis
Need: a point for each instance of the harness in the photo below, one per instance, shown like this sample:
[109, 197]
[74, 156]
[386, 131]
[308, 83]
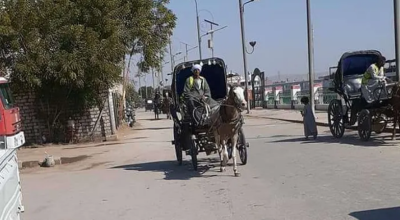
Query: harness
[236, 122]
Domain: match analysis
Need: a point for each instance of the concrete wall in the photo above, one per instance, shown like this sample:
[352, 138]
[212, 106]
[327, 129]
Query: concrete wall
[35, 128]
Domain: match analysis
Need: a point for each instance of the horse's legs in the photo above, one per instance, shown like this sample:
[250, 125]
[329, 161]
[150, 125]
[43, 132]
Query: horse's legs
[234, 144]
[225, 156]
[396, 115]
[219, 147]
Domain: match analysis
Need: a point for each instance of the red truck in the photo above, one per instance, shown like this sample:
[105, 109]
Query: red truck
[11, 138]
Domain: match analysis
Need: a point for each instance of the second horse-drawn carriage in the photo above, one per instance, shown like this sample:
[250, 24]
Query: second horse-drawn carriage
[352, 106]
[194, 138]
[167, 100]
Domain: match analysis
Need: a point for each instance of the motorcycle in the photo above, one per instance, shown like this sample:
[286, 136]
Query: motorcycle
[130, 116]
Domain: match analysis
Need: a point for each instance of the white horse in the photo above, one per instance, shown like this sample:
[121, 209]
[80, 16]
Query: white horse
[227, 125]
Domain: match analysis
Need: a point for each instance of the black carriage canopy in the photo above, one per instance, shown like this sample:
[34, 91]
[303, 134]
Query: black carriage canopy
[356, 63]
[212, 69]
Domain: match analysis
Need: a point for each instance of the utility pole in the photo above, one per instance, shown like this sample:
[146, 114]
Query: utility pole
[211, 41]
[246, 78]
[153, 75]
[140, 83]
[396, 6]
[185, 58]
[170, 54]
[161, 70]
[198, 29]
[310, 55]
[145, 85]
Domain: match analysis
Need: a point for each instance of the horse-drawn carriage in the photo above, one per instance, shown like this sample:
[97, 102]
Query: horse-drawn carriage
[352, 107]
[167, 100]
[194, 138]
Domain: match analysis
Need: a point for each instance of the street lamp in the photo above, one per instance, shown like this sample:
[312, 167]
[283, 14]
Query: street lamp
[186, 57]
[198, 28]
[241, 10]
[211, 32]
[173, 59]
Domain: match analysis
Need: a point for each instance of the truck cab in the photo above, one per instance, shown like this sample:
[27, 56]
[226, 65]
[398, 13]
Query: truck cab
[11, 138]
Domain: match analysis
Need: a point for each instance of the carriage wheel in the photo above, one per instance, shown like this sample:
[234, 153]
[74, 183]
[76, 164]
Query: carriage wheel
[242, 146]
[335, 118]
[178, 149]
[364, 125]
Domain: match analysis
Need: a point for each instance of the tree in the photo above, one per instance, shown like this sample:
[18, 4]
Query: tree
[131, 94]
[69, 52]
[149, 24]
[150, 92]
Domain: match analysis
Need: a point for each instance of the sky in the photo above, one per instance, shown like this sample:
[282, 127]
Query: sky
[280, 29]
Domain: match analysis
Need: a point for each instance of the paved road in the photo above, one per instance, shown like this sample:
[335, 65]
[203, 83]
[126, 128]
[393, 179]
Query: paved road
[286, 178]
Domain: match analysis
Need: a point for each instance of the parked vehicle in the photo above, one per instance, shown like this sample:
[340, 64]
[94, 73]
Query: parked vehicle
[149, 105]
[130, 115]
[352, 107]
[11, 138]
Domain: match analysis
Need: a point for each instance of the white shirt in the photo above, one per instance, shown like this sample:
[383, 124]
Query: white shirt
[197, 83]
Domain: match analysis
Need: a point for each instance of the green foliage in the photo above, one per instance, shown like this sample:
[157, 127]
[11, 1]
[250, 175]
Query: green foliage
[71, 51]
[150, 92]
[153, 25]
[131, 94]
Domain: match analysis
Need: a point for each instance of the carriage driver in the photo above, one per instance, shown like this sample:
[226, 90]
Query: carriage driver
[196, 89]
[372, 77]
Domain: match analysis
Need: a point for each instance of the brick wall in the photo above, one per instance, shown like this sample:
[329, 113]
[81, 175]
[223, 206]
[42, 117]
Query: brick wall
[85, 120]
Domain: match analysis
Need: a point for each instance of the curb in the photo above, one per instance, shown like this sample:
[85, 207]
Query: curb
[321, 124]
[289, 120]
[57, 160]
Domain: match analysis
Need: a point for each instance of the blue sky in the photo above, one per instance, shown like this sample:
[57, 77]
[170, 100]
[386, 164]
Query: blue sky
[280, 29]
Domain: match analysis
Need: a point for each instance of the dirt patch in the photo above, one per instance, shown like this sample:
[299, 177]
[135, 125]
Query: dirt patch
[67, 160]
[92, 146]
[93, 165]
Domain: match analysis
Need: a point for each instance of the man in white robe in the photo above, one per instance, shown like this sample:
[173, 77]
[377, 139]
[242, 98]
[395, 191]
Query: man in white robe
[373, 79]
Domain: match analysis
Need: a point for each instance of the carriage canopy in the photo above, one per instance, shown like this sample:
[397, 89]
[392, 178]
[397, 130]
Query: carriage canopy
[355, 64]
[213, 69]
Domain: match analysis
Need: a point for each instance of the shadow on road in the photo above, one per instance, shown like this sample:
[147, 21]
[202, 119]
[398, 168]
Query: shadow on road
[173, 171]
[153, 129]
[348, 139]
[152, 119]
[378, 214]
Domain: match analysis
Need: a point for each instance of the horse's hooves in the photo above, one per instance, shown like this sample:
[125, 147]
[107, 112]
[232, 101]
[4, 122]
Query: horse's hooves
[237, 174]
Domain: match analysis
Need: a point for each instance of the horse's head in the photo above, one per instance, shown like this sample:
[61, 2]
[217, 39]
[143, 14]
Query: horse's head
[236, 96]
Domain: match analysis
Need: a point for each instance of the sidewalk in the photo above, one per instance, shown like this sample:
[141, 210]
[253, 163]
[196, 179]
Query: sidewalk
[289, 115]
[294, 116]
[69, 153]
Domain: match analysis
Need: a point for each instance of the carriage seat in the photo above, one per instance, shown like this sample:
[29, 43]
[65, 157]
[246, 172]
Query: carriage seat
[377, 92]
[352, 86]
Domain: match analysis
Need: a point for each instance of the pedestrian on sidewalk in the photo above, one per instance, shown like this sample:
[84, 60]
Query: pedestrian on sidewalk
[310, 127]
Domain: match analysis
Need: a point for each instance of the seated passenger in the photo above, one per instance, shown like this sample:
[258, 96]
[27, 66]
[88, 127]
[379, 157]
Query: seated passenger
[371, 79]
[196, 90]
